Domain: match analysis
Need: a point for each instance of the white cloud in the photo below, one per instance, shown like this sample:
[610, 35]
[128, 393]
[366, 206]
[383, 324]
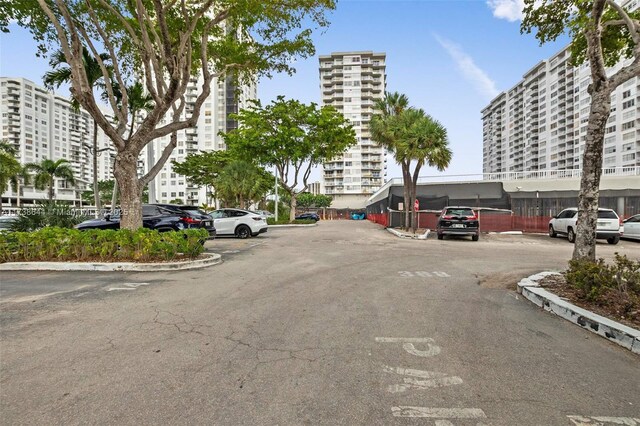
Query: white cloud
[474, 74]
[511, 10]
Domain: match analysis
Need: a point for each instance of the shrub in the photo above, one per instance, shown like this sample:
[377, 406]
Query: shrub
[47, 213]
[595, 279]
[285, 221]
[61, 244]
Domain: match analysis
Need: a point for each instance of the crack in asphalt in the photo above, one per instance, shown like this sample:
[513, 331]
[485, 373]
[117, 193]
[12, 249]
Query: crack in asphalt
[185, 327]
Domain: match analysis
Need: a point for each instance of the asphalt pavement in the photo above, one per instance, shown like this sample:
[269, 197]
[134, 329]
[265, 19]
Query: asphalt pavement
[340, 324]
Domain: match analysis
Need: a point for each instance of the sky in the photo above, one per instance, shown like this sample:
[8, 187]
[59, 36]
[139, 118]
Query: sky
[450, 57]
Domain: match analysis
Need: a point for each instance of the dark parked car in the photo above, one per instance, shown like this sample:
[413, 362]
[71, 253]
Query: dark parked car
[458, 221]
[197, 218]
[313, 216]
[153, 217]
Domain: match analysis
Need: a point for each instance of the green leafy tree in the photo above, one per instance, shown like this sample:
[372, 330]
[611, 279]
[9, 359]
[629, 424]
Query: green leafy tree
[291, 136]
[241, 183]
[61, 74]
[176, 201]
[414, 138]
[107, 188]
[165, 43]
[10, 168]
[139, 102]
[47, 171]
[424, 142]
[602, 33]
[203, 168]
[308, 199]
[385, 130]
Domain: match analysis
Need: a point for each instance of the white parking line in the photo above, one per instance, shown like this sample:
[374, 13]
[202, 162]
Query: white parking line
[602, 421]
[407, 345]
[438, 413]
[127, 286]
[434, 379]
[423, 274]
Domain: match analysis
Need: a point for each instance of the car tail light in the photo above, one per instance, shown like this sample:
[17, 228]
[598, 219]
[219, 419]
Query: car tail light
[474, 217]
[190, 220]
[448, 217]
[258, 219]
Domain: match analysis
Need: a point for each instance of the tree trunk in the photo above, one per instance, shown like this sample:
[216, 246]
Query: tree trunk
[588, 202]
[18, 189]
[51, 184]
[413, 195]
[126, 172]
[406, 184]
[96, 192]
[292, 205]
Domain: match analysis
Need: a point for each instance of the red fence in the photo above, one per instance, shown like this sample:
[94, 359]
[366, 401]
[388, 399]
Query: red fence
[379, 218]
[489, 222]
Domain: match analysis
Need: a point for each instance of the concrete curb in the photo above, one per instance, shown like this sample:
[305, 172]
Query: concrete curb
[210, 260]
[621, 334]
[294, 225]
[410, 236]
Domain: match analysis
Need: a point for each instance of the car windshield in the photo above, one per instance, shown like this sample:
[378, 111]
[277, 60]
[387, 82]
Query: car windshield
[607, 214]
[459, 212]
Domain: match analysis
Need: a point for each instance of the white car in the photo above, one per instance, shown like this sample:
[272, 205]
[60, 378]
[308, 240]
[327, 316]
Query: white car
[241, 223]
[264, 213]
[632, 227]
[608, 226]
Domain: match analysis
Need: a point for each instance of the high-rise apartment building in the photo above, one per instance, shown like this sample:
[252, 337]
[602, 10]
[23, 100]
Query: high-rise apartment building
[540, 124]
[352, 82]
[40, 125]
[226, 98]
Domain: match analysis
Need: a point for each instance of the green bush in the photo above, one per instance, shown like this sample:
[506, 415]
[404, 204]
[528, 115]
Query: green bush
[595, 279]
[62, 244]
[47, 213]
[285, 221]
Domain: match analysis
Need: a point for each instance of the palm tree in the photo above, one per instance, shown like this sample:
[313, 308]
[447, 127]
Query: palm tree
[47, 170]
[10, 168]
[138, 102]
[385, 130]
[241, 183]
[61, 74]
[424, 142]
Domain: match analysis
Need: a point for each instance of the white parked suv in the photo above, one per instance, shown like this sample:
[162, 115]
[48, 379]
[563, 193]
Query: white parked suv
[241, 223]
[608, 226]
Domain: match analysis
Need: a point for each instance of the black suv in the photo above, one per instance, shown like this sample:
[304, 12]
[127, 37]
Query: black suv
[312, 216]
[196, 217]
[458, 221]
[153, 217]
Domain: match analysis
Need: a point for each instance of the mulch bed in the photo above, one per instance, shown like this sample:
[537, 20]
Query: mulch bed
[614, 304]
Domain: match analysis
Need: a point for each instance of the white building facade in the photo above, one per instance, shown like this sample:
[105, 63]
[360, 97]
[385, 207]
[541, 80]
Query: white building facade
[226, 98]
[541, 123]
[351, 82]
[42, 125]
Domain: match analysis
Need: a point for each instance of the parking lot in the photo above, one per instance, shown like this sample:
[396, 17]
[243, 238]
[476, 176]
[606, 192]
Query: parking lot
[342, 323]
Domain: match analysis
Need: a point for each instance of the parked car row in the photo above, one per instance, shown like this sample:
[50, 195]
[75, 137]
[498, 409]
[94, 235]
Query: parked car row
[457, 220]
[171, 217]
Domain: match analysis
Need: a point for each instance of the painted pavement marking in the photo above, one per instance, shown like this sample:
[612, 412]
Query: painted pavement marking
[602, 421]
[433, 379]
[408, 345]
[438, 413]
[127, 286]
[423, 274]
